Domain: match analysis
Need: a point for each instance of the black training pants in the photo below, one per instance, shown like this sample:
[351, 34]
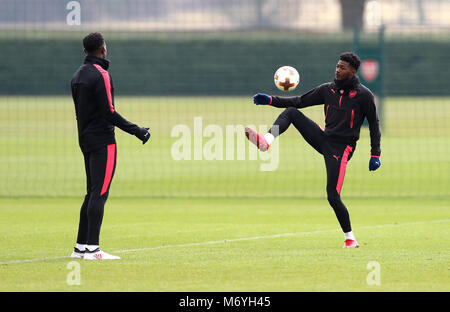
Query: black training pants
[335, 154]
[100, 165]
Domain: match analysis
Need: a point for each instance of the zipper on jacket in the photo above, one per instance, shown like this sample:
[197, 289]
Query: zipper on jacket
[351, 120]
[340, 100]
[326, 112]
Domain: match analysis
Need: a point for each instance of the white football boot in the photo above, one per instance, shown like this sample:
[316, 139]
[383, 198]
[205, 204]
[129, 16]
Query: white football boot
[99, 255]
[77, 254]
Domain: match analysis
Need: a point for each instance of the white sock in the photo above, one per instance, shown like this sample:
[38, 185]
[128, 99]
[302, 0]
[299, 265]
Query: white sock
[349, 235]
[269, 138]
[81, 247]
[91, 247]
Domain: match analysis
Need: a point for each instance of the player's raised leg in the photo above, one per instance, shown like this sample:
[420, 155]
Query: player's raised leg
[310, 131]
[259, 140]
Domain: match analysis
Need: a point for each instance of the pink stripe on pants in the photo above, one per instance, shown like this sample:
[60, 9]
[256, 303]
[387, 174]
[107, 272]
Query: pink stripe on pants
[347, 151]
[111, 158]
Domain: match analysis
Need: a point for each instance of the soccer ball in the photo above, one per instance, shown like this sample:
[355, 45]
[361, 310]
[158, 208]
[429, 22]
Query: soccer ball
[286, 78]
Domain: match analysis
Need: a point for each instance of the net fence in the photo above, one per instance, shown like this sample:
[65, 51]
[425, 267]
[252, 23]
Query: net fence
[188, 70]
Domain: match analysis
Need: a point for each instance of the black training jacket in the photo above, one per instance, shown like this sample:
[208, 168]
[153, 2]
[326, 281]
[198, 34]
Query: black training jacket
[93, 96]
[345, 107]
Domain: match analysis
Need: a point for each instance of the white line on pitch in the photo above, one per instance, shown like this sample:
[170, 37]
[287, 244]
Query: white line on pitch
[231, 240]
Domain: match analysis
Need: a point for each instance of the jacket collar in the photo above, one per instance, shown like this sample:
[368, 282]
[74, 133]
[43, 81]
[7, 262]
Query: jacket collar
[347, 85]
[104, 63]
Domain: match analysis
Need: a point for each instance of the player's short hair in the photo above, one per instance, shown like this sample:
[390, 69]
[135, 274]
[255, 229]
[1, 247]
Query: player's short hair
[351, 58]
[93, 42]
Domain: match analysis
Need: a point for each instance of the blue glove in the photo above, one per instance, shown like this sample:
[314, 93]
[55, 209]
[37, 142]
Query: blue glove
[374, 163]
[262, 99]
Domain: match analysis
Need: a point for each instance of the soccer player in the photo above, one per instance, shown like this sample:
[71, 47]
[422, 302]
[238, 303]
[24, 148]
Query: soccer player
[346, 103]
[93, 96]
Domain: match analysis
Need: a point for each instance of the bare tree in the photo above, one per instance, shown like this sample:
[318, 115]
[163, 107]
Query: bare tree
[352, 12]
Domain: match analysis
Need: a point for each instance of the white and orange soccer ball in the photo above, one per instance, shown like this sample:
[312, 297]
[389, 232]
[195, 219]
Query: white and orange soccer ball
[286, 78]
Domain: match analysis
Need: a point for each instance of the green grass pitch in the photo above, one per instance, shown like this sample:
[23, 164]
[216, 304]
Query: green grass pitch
[224, 225]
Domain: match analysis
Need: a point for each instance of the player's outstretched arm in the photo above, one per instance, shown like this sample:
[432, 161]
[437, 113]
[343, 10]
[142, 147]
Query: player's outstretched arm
[142, 133]
[281, 102]
[310, 98]
[105, 98]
